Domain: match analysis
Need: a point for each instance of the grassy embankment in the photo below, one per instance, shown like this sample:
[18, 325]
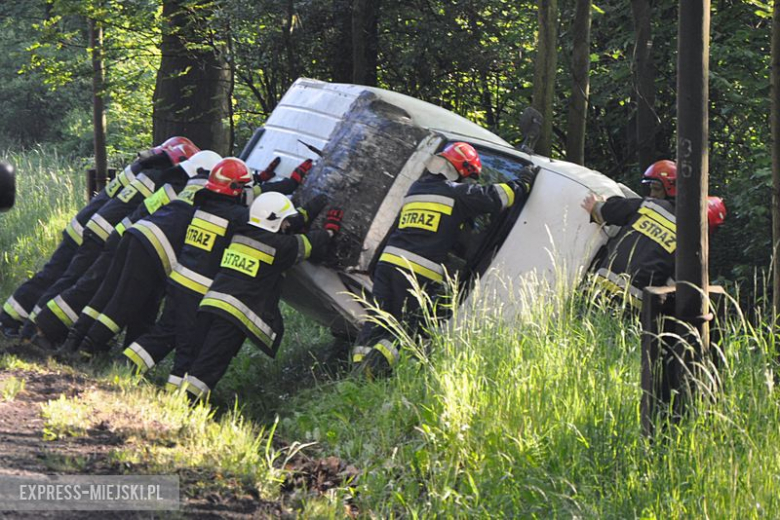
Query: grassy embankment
[539, 419]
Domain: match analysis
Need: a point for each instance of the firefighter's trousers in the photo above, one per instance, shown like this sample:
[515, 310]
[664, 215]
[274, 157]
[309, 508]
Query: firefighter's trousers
[19, 306]
[175, 330]
[62, 311]
[392, 294]
[220, 345]
[129, 296]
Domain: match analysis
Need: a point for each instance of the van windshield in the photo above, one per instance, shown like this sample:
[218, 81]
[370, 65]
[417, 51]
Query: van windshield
[480, 239]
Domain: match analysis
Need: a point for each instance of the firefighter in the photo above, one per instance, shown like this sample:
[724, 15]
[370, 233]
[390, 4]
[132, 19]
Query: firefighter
[243, 301]
[147, 253]
[138, 256]
[434, 209]
[22, 303]
[716, 212]
[642, 253]
[219, 211]
[61, 304]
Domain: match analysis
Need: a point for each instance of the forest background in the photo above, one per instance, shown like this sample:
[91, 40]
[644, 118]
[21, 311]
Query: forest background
[214, 70]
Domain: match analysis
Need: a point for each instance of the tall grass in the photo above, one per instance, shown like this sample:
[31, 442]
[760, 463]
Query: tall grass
[541, 419]
[49, 191]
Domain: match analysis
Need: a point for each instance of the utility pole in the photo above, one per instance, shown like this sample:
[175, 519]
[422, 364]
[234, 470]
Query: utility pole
[692, 275]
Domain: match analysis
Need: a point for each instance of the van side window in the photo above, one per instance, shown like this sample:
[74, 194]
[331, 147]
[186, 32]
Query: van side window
[479, 240]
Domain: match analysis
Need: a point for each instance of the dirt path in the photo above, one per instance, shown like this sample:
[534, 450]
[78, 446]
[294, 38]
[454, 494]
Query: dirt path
[24, 452]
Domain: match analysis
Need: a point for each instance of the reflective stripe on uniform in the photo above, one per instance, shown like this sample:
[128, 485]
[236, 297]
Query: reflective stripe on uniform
[15, 309]
[506, 194]
[438, 203]
[619, 285]
[190, 279]
[304, 248]
[242, 313]
[75, 230]
[195, 386]
[254, 248]
[122, 180]
[670, 219]
[388, 350]
[210, 222]
[100, 226]
[109, 323]
[188, 193]
[35, 312]
[159, 242]
[89, 311]
[127, 176]
[122, 226]
[143, 184]
[139, 356]
[173, 383]
[62, 310]
[408, 260]
[358, 353]
[160, 198]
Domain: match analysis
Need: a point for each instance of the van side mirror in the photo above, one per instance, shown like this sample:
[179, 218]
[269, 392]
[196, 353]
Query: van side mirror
[530, 126]
[7, 186]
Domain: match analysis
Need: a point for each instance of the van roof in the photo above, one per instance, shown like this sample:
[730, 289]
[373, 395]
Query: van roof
[422, 113]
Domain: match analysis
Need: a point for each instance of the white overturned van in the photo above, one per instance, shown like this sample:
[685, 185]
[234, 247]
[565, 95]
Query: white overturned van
[373, 145]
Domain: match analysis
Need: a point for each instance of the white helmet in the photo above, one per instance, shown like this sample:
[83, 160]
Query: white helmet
[203, 160]
[269, 210]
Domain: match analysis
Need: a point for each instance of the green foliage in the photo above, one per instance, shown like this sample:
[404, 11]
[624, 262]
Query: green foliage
[50, 189]
[55, 45]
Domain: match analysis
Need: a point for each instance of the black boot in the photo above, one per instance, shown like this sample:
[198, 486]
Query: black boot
[72, 342]
[10, 332]
[28, 330]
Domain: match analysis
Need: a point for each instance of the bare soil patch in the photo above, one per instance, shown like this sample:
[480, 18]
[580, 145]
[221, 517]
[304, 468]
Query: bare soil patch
[25, 451]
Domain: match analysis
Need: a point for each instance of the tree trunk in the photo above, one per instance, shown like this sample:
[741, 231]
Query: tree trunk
[775, 123]
[343, 48]
[365, 14]
[580, 85]
[544, 71]
[692, 166]
[191, 96]
[98, 103]
[644, 83]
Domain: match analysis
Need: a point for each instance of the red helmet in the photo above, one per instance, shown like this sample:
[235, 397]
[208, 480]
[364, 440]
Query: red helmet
[228, 177]
[464, 158]
[180, 152]
[664, 172]
[176, 140]
[716, 212]
[177, 148]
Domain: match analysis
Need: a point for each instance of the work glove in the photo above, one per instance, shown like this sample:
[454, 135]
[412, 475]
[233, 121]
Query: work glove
[269, 172]
[300, 172]
[333, 220]
[527, 177]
